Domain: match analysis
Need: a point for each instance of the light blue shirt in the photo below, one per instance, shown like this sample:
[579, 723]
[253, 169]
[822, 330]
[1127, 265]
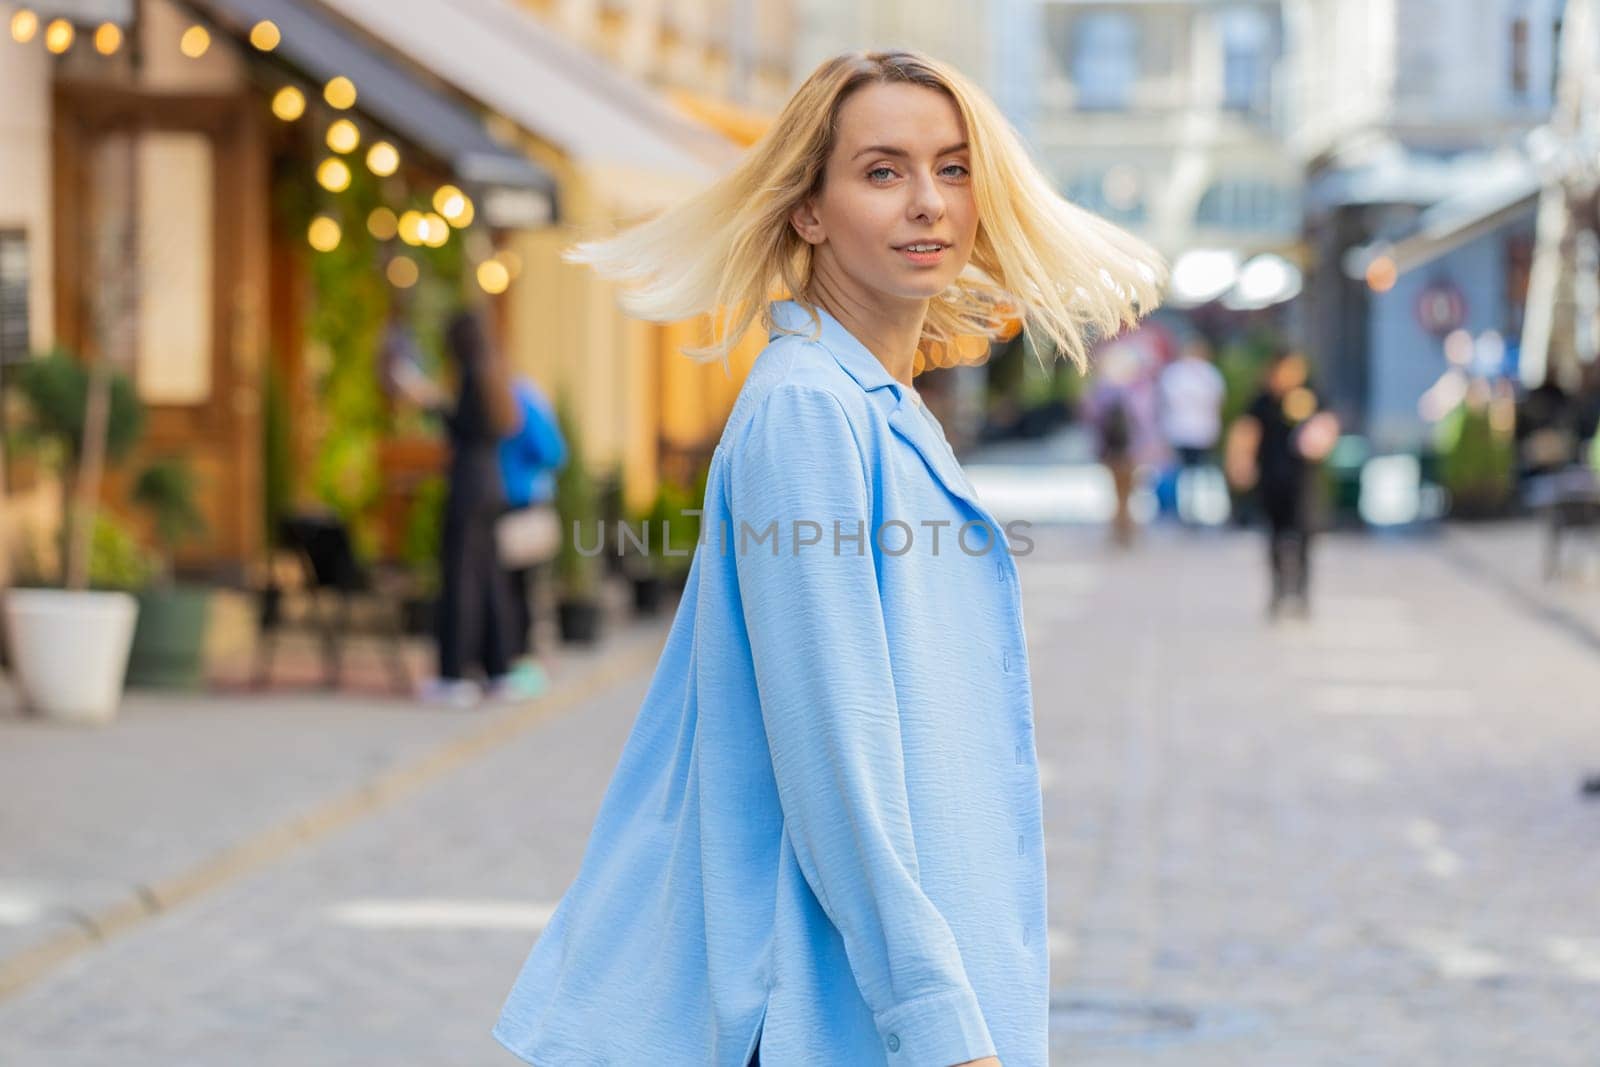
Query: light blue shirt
[825, 828]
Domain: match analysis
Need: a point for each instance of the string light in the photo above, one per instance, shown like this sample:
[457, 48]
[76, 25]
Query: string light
[289, 103]
[493, 277]
[402, 272]
[333, 175]
[449, 201]
[412, 227]
[264, 35]
[382, 224]
[383, 159]
[58, 36]
[108, 38]
[340, 93]
[24, 24]
[195, 42]
[343, 136]
[438, 232]
[512, 261]
[324, 234]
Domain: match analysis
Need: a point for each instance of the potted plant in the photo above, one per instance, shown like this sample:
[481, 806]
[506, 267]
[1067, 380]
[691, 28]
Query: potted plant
[169, 641]
[669, 534]
[69, 644]
[577, 574]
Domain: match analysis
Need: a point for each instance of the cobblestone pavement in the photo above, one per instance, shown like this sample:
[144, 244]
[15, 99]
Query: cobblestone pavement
[1351, 840]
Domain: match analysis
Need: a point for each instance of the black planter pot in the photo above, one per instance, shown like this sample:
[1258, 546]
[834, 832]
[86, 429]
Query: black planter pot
[579, 621]
[647, 594]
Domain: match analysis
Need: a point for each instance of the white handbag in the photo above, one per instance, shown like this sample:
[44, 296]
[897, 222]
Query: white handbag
[528, 536]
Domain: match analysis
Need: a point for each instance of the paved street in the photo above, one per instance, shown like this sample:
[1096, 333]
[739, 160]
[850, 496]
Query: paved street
[1352, 840]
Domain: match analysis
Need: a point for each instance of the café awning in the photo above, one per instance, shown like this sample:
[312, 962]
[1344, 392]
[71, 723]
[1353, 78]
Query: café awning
[318, 47]
[507, 60]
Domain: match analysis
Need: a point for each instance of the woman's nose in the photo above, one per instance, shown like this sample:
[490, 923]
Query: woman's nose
[927, 201]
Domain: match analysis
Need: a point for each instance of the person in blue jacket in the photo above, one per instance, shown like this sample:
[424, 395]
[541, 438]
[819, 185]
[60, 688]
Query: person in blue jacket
[823, 840]
[530, 456]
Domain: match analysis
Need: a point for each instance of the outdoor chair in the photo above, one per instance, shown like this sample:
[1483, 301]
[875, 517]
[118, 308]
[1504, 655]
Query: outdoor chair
[335, 584]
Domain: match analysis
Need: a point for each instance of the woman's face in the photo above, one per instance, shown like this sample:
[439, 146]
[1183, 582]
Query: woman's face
[895, 216]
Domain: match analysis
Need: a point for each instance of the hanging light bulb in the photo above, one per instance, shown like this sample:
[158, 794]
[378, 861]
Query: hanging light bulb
[438, 231]
[324, 234]
[412, 227]
[383, 159]
[340, 93]
[512, 261]
[333, 175]
[382, 224]
[58, 36]
[24, 25]
[264, 35]
[402, 272]
[195, 42]
[289, 103]
[493, 278]
[343, 136]
[108, 38]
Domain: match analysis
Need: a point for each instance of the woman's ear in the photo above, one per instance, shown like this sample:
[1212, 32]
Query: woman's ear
[805, 222]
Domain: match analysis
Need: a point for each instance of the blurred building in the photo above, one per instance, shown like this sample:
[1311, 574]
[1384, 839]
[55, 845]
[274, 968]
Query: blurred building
[726, 54]
[216, 195]
[1168, 117]
[1411, 117]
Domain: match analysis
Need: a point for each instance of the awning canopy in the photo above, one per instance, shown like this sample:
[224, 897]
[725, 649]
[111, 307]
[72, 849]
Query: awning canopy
[1454, 222]
[507, 60]
[394, 96]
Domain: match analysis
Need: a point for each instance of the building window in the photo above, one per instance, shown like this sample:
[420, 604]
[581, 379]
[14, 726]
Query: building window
[1246, 59]
[1105, 60]
[13, 296]
[1116, 193]
[1249, 206]
[1519, 58]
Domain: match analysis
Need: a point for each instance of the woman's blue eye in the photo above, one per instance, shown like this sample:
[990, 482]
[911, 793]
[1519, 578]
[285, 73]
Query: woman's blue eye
[879, 170]
[957, 167]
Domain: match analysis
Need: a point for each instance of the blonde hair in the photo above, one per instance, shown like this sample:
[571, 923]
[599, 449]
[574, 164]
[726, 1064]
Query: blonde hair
[727, 251]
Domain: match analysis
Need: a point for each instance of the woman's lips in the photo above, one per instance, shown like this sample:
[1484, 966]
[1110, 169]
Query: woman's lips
[924, 259]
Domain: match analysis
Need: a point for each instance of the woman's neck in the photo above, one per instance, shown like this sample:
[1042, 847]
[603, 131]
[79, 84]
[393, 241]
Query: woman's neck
[890, 330]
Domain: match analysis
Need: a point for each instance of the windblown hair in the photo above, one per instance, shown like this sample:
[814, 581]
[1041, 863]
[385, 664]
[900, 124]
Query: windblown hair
[730, 250]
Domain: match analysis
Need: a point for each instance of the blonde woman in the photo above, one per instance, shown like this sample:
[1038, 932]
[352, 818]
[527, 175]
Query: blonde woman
[823, 838]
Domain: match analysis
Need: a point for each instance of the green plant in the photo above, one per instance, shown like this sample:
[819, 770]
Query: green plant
[116, 559]
[1475, 460]
[57, 389]
[166, 489]
[419, 547]
[577, 502]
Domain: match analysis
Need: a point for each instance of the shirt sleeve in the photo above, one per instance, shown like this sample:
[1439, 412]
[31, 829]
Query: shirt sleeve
[821, 658]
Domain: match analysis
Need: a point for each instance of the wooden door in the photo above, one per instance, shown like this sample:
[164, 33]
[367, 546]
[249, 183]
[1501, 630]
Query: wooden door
[161, 243]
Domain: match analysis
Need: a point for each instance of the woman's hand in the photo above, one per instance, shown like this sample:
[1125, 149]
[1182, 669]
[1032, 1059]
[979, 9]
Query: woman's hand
[987, 1061]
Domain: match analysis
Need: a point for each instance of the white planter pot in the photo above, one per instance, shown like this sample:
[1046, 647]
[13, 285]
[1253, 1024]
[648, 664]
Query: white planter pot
[69, 651]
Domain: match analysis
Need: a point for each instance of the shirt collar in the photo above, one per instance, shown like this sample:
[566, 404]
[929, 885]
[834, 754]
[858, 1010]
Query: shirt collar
[857, 360]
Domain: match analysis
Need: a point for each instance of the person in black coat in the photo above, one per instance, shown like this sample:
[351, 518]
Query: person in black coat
[475, 618]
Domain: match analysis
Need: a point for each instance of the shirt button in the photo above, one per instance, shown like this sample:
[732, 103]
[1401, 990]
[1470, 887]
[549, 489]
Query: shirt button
[894, 1043]
[1019, 844]
[1005, 661]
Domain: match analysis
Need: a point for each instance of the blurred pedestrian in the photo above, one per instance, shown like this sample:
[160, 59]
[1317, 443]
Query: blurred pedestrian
[823, 841]
[528, 534]
[1191, 390]
[1111, 408]
[1274, 448]
[474, 618]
